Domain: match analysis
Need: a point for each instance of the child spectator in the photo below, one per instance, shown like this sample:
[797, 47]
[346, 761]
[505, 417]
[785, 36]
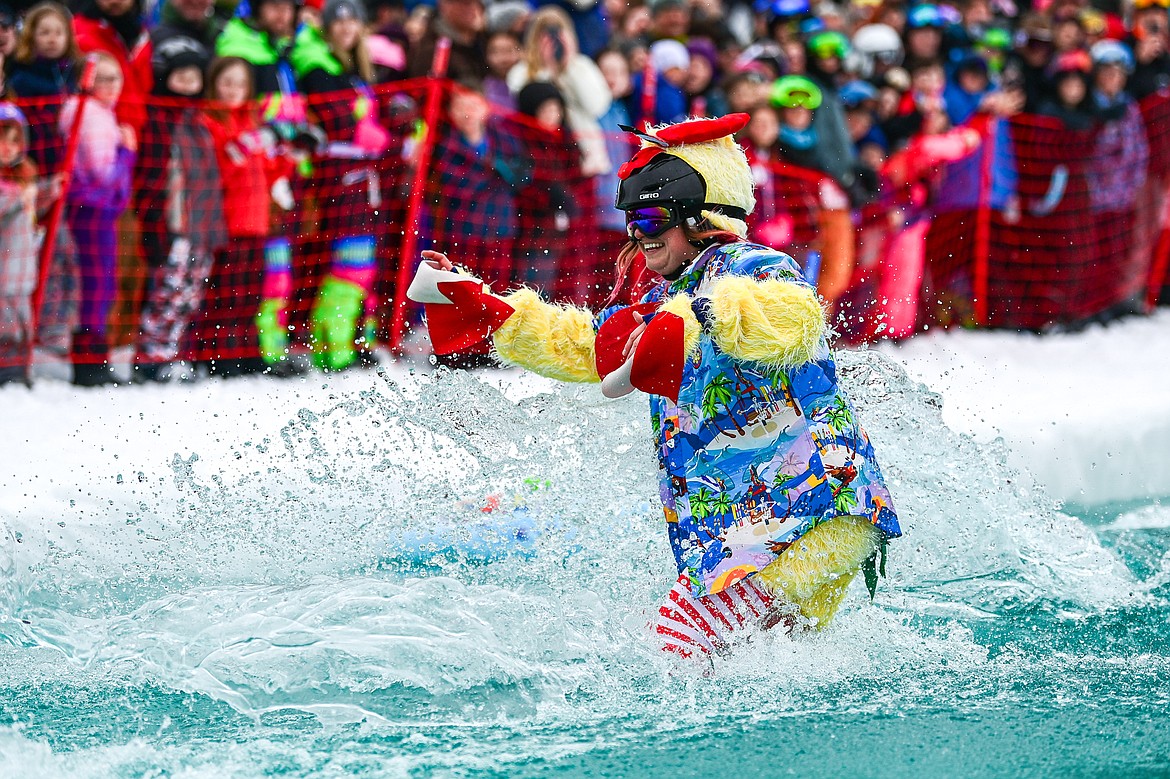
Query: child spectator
[860, 99]
[924, 34]
[98, 195]
[1118, 170]
[479, 167]
[914, 174]
[770, 226]
[333, 69]
[45, 68]
[658, 95]
[18, 245]
[193, 211]
[596, 270]
[1071, 101]
[827, 51]
[703, 97]
[546, 205]
[47, 61]
[796, 98]
[251, 166]
[503, 54]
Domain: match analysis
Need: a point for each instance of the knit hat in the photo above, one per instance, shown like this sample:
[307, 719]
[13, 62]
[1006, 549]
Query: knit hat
[696, 166]
[534, 94]
[10, 114]
[174, 53]
[667, 54]
[342, 9]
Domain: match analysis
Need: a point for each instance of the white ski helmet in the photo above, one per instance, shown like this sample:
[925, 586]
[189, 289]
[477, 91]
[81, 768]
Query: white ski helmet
[873, 42]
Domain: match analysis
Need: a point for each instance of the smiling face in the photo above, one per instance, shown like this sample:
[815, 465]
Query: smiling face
[668, 253]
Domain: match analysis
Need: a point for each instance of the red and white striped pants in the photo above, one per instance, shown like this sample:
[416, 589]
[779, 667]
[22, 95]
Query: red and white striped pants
[690, 626]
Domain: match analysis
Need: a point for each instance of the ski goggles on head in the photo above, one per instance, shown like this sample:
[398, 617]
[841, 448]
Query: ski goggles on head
[652, 221]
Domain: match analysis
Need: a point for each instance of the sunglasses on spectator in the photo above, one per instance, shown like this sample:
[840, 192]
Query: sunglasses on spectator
[652, 221]
[1141, 5]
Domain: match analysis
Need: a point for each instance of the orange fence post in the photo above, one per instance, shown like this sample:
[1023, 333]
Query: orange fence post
[49, 240]
[1161, 261]
[418, 189]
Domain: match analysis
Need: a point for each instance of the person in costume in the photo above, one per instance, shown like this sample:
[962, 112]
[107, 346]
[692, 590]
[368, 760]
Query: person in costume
[771, 491]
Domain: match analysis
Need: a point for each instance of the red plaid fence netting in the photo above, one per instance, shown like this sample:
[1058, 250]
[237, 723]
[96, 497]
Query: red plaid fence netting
[214, 237]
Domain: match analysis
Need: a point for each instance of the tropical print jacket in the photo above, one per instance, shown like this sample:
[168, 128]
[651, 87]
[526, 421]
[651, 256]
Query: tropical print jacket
[751, 458]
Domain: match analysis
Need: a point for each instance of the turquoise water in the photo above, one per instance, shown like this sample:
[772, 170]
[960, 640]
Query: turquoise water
[239, 615]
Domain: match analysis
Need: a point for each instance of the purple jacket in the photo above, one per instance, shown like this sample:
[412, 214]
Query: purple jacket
[108, 190]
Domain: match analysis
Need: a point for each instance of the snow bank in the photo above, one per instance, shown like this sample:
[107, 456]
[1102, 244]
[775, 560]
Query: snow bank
[1088, 414]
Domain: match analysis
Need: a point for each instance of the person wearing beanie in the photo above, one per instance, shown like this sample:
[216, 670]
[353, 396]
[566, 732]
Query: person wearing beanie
[550, 205]
[333, 69]
[658, 96]
[1071, 101]
[772, 495]
[185, 226]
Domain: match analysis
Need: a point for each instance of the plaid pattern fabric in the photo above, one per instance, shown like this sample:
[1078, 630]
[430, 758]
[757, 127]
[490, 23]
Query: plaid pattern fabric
[473, 195]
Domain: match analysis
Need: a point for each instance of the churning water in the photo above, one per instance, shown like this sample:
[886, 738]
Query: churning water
[237, 609]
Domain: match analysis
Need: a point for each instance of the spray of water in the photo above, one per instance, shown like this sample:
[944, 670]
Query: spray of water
[264, 579]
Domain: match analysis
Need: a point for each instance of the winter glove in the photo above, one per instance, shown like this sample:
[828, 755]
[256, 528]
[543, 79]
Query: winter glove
[655, 365]
[270, 324]
[282, 194]
[309, 138]
[461, 310]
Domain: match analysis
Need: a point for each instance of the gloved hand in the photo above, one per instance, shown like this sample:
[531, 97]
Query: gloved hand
[461, 310]
[333, 323]
[654, 364]
[371, 137]
[282, 194]
[272, 330]
[309, 138]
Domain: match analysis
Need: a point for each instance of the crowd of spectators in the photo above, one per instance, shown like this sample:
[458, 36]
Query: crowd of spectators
[874, 96]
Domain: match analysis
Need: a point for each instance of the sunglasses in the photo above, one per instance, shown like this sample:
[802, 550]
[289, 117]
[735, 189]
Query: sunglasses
[652, 221]
[1141, 5]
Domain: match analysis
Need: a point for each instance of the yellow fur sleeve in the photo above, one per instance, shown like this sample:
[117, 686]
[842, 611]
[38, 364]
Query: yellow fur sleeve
[776, 323]
[553, 341]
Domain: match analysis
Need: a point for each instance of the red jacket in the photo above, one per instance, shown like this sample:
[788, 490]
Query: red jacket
[98, 35]
[246, 169]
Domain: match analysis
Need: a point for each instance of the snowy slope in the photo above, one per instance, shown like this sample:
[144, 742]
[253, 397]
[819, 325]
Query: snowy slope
[1088, 414]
